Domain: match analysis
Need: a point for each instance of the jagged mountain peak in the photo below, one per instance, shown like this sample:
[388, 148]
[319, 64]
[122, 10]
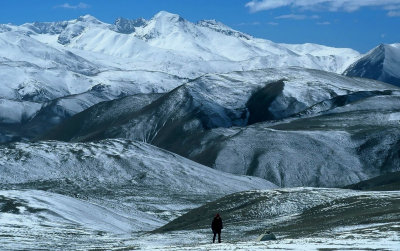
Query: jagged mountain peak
[383, 50]
[167, 16]
[140, 21]
[127, 26]
[222, 28]
[383, 46]
[59, 26]
[78, 26]
[212, 23]
[165, 27]
[4, 28]
[381, 63]
[88, 19]
[378, 52]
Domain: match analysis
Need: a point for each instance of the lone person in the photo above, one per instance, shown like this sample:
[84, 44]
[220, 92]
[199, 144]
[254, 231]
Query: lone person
[216, 227]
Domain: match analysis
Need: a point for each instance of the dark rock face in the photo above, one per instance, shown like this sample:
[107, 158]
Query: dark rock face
[49, 28]
[260, 101]
[127, 26]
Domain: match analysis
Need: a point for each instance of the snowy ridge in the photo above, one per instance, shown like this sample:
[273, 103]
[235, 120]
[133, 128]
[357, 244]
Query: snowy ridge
[381, 63]
[115, 162]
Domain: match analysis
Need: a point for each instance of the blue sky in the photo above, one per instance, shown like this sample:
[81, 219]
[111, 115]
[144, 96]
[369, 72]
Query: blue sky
[358, 24]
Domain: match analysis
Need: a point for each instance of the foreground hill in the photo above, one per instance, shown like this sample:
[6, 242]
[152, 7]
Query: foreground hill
[293, 127]
[310, 218]
[107, 188]
[297, 212]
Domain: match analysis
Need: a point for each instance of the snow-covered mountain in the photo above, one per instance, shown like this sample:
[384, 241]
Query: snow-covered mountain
[382, 63]
[168, 37]
[293, 127]
[72, 65]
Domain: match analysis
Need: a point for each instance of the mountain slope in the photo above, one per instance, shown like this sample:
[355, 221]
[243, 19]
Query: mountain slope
[112, 163]
[293, 127]
[128, 181]
[382, 63]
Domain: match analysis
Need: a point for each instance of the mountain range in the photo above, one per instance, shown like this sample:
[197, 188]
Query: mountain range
[55, 70]
[116, 135]
[51, 71]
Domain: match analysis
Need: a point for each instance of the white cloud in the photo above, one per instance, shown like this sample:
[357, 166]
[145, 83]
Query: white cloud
[330, 5]
[392, 7]
[292, 16]
[393, 13]
[324, 23]
[69, 6]
[273, 23]
[297, 17]
[251, 23]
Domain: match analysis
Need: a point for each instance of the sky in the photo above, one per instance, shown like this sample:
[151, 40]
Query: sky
[357, 24]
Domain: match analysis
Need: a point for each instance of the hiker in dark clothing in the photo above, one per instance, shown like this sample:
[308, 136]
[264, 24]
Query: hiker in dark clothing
[216, 227]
